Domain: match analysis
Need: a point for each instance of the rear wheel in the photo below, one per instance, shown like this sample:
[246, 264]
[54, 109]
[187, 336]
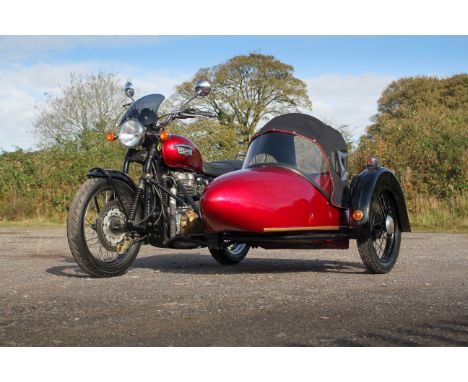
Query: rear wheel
[233, 253]
[96, 228]
[380, 250]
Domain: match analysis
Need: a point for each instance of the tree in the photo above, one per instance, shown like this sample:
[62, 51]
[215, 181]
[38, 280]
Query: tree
[247, 89]
[421, 132]
[88, 104]
[347, 136]
[214, 140]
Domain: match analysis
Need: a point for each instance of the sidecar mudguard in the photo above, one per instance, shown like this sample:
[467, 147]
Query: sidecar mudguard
[367, 183]
[113, 174]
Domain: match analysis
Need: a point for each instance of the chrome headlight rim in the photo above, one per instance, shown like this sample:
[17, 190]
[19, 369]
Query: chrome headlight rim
[131, 133]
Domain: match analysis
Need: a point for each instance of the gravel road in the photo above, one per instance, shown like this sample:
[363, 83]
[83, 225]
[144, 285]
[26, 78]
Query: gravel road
[273, 298]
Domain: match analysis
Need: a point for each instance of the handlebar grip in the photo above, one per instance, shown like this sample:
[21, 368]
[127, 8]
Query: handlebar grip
[207, 114]
[184, 115]
[192, 113]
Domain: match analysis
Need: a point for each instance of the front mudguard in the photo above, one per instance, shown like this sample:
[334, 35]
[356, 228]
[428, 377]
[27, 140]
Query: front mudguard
[366, 184]
[112, 174]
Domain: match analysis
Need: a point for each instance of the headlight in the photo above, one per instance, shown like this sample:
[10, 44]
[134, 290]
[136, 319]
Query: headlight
[131, 133]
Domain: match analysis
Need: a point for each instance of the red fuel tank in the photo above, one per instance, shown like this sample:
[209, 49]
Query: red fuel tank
[267, 199]
[181, 153]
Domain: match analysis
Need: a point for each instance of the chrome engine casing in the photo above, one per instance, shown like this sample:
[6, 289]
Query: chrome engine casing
[194, 185]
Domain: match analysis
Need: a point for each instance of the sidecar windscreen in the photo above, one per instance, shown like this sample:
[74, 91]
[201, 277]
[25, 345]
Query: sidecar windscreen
[278, 148]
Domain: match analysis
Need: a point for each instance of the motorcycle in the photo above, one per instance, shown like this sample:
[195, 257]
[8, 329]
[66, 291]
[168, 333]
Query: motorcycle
[111, 216]
[290, 192]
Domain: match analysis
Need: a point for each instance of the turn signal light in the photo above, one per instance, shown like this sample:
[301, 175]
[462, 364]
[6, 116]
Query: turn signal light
[372, 162]
[357, 215]
[111, 137]
[164, 136]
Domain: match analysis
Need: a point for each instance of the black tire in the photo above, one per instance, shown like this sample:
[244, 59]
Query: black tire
[80, 226]
[379, 251]
[230, 255]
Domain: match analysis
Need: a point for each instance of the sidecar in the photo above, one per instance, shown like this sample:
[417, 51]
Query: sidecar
[294, 192]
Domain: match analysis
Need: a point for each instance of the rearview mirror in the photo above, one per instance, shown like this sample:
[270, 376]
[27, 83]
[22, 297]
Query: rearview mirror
[202, 88]
[129, 90]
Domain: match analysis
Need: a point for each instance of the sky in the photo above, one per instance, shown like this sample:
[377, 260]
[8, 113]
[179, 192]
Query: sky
[345, 75]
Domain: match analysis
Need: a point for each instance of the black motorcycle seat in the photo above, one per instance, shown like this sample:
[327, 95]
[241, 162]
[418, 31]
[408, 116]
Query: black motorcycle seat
[221, 167]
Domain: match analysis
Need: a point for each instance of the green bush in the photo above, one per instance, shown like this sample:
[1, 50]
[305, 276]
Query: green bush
[42, 184]
[421, 132]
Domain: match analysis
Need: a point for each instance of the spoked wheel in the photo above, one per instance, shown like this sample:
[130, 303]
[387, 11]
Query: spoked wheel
[379, 251]
[96, 229]
[233, 253]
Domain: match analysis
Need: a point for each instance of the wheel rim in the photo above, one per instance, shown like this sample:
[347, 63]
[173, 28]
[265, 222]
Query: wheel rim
[383, 227]
[100, 227]
[236, 249]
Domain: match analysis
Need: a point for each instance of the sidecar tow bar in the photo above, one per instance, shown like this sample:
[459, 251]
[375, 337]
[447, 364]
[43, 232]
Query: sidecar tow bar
[275, 238]
[312, 240]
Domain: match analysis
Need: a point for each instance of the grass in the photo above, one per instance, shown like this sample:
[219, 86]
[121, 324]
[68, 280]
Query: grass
[30, 223]
[432, 214]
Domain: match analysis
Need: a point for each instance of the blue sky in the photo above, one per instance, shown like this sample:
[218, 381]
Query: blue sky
[344, 75]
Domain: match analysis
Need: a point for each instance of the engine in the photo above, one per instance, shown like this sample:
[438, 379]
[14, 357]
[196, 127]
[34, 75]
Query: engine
[183, 216]
[193, 184]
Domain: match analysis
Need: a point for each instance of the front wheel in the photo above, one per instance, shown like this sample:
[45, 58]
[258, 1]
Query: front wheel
[96, 228]
[231, 254]
[380, 249]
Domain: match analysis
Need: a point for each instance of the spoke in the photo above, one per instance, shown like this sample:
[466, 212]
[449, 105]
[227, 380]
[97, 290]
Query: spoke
[90, 224]
[96, 203]
[94, 243]
[382, 240]
[379, 243]
[382, 205]
[86, 216]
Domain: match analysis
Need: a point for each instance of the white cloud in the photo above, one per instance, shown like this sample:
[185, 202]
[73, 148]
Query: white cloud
[14, 48]
[337, 99]
[24, 87]
[347, 99]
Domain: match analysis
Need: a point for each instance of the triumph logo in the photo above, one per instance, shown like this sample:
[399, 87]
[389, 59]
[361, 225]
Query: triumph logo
[184, 150]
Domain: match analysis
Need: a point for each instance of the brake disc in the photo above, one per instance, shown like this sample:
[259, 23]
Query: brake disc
[111, 226]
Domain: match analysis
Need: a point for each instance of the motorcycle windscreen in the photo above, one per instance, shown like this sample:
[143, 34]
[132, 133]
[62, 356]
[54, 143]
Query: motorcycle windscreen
[150, 102]
[289, 150]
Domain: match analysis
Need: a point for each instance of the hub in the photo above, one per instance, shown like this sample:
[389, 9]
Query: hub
[389, 225]
[111, 226]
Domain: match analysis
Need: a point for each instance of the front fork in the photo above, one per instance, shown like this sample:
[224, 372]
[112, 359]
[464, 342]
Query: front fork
[143, 189]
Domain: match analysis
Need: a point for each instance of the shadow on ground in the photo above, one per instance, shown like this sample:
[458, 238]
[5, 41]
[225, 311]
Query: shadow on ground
[202, 264]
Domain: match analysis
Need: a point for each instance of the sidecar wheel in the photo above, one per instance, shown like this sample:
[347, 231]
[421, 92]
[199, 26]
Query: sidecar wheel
[230, 255]
[380, 250]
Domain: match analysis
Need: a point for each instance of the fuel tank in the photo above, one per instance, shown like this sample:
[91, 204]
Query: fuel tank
[267, 199]
[181, 153]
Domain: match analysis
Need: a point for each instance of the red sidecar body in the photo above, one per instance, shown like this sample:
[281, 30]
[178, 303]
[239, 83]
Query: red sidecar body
[294, 191]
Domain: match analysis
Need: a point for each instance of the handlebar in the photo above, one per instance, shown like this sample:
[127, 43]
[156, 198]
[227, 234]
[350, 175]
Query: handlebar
[193, 113]
[167, 119]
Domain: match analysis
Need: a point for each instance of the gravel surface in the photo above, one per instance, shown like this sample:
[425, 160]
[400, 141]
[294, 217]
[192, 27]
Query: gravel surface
[273, 298]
